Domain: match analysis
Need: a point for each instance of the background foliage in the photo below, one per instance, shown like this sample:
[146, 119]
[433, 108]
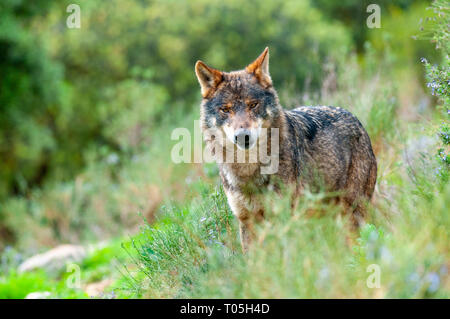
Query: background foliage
[85, 122]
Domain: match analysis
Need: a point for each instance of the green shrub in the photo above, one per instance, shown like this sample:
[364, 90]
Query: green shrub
[167, 37]
[438, 80]
[353, 13]
[17, 286]
[173, 253]
[30, 86]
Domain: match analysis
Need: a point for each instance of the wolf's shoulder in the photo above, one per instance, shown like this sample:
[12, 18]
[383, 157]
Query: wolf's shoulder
[312, 119]
[323, 115]
[330, 112]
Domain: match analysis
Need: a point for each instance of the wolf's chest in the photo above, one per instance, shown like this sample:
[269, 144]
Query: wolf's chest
[244, 178]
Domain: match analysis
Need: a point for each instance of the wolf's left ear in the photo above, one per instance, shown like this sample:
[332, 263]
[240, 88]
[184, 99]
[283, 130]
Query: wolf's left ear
[208, 77]
[260, 68]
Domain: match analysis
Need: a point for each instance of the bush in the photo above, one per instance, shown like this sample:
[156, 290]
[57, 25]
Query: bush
[29, 88]
[438, 80]
[167, 37]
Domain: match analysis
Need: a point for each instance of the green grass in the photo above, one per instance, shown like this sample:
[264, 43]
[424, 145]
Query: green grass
[172, 253]
[295, 256]
[18, 286]
[101, 263]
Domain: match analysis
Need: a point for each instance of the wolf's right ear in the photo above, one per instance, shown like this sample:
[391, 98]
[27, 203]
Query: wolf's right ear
[208, 77]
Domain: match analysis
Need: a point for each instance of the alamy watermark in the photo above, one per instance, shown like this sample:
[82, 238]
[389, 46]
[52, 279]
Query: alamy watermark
[73, 281]
[374, 19]
[374, 279]
[74, 19]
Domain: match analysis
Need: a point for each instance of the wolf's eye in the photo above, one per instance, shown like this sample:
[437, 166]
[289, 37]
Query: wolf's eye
[252, 105]
[225, 109]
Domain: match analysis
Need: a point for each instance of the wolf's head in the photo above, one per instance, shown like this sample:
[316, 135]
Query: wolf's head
[239, 103]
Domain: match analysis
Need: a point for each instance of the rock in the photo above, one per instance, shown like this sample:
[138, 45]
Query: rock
[38, 295]
[96, 289]
[54, 259]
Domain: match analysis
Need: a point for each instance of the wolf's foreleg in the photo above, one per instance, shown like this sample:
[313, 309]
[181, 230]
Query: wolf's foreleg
[247, 212]
[246, 233]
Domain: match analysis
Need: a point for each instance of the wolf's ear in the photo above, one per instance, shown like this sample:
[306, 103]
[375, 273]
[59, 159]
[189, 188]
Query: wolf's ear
[260, 68]
[208, 77]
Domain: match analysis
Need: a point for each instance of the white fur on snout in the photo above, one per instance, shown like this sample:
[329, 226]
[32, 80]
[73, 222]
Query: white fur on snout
[254, 135]
[229, 132]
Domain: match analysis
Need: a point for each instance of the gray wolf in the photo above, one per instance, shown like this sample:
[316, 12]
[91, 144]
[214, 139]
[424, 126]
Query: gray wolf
[318, 146]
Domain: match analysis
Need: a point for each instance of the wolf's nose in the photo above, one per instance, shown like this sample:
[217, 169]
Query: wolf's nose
[242, 138]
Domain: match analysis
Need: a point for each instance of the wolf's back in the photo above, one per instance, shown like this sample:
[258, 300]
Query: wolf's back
[333, 140]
